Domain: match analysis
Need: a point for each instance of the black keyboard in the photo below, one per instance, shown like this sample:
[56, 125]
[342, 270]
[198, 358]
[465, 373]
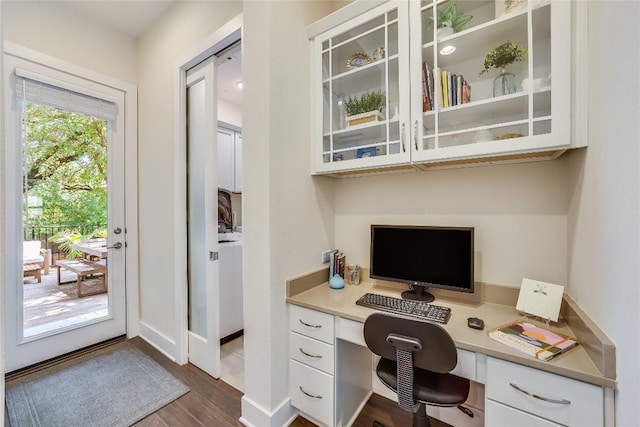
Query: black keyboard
[418, 309]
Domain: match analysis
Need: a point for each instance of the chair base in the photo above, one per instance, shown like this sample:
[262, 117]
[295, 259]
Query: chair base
[420, 418]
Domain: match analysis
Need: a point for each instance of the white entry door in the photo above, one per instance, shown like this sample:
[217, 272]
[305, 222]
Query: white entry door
[62, 121]
[202, 182]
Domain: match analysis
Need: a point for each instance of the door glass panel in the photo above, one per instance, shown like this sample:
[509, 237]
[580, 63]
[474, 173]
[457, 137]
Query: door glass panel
[197, 247]
[64, 219]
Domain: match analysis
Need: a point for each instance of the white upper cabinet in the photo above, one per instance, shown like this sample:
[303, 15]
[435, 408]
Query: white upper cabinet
[437, 109]
[230, 160]
[225, 159]
[237, 161]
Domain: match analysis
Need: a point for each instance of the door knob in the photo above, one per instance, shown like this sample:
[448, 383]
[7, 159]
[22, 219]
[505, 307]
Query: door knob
[116, 245]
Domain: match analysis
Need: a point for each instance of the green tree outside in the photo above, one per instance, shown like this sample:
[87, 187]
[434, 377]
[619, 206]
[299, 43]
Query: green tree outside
[65, 166]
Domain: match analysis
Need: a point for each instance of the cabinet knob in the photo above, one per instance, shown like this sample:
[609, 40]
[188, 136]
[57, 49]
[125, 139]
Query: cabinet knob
[415, 134]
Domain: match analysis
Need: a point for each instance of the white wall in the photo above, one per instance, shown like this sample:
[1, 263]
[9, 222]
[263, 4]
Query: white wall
[288, 215]
[57, 29]
[229, 113]
[604, 212]
[159, 48]
[518, 211]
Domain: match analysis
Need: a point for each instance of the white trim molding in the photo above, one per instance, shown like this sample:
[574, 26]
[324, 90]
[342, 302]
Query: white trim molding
[254, 415]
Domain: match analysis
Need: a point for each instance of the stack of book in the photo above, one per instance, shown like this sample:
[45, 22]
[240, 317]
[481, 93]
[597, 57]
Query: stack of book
[443, 88]
[533, 340]
[337, 262]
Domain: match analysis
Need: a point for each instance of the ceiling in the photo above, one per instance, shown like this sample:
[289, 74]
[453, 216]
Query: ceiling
[127, 16]
[229, 73]
[134, 17]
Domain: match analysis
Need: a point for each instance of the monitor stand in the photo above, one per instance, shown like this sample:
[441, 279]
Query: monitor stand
[418, 293]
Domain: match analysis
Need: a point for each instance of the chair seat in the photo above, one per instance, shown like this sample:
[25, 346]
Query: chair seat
[429, 387]
[32, 259]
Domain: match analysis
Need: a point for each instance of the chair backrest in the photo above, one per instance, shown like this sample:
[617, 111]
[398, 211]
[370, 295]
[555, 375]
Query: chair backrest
[31, 248]
[438, 353]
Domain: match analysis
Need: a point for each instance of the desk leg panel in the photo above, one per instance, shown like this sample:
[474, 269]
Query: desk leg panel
[352, 381]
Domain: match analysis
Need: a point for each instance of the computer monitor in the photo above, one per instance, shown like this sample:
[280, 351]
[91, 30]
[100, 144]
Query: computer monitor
[423, 257]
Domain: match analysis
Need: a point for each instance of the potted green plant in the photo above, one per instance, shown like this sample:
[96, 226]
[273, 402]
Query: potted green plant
[449, 18]
[365, 108]
[500, 57]
[67, 238]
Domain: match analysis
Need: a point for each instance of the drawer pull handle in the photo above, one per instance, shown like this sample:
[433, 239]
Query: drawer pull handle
[309, 325]
[315, 396]
[546, 399]
[315, 356]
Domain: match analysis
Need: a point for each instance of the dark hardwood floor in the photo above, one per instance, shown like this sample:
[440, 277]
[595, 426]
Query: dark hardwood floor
[213, 402]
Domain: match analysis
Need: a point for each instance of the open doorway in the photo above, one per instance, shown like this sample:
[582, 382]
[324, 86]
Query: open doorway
[230, 179]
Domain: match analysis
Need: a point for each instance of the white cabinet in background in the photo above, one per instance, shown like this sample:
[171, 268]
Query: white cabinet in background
[237, 163]
[231, 314]
[230, 160]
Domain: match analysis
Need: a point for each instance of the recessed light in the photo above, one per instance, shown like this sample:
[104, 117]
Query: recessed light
[448, 50]
[239, 84]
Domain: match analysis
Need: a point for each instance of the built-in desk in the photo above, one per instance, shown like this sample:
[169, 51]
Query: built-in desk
[349, 381]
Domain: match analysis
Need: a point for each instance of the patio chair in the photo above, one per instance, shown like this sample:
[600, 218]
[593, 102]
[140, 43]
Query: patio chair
[34, 254]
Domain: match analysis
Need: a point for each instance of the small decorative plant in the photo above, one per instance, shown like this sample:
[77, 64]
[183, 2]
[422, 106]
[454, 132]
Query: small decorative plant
[449, 17]
[370, 101]
[501, 56]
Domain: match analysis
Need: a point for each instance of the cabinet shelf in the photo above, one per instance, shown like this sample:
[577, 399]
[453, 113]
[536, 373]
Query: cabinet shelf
[360, 128]
[484, 127]
[358, 80]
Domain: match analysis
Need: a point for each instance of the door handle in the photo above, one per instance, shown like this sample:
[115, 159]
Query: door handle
[116, 245]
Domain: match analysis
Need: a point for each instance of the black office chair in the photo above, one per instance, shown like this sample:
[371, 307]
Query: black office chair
[416, 360]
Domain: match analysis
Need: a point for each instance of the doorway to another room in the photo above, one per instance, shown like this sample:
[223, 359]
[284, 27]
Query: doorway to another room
[214, 215]
[230, 181]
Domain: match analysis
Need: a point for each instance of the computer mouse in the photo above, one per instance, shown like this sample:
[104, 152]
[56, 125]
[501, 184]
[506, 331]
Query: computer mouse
[475, 323]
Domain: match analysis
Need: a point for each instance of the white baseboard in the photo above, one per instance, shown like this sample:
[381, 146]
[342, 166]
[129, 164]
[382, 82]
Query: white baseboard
[159, 341]
[254, 415]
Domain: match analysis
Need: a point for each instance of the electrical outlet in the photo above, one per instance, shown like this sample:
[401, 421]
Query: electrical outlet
[325, 256]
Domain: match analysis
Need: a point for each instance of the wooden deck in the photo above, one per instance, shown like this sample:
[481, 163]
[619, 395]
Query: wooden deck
[49, 306]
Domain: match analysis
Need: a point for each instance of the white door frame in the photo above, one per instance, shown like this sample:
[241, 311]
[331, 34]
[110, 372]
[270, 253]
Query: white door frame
[215, 42]
[131, 161]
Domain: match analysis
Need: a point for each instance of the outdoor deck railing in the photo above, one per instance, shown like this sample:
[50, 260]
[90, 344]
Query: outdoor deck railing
[44, 232]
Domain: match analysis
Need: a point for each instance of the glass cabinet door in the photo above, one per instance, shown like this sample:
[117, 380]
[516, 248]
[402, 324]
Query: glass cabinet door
[365, 90]
[468, 111]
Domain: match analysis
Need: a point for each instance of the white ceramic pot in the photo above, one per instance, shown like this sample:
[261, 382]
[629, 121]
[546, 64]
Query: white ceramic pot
[444, 32]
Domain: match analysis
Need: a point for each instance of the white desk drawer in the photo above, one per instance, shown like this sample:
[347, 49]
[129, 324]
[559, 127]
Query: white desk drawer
[311, 323]
[311, 352]
[550, 396]
[352, 331]
[466, 367]
[499, 415]
[311, 392]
